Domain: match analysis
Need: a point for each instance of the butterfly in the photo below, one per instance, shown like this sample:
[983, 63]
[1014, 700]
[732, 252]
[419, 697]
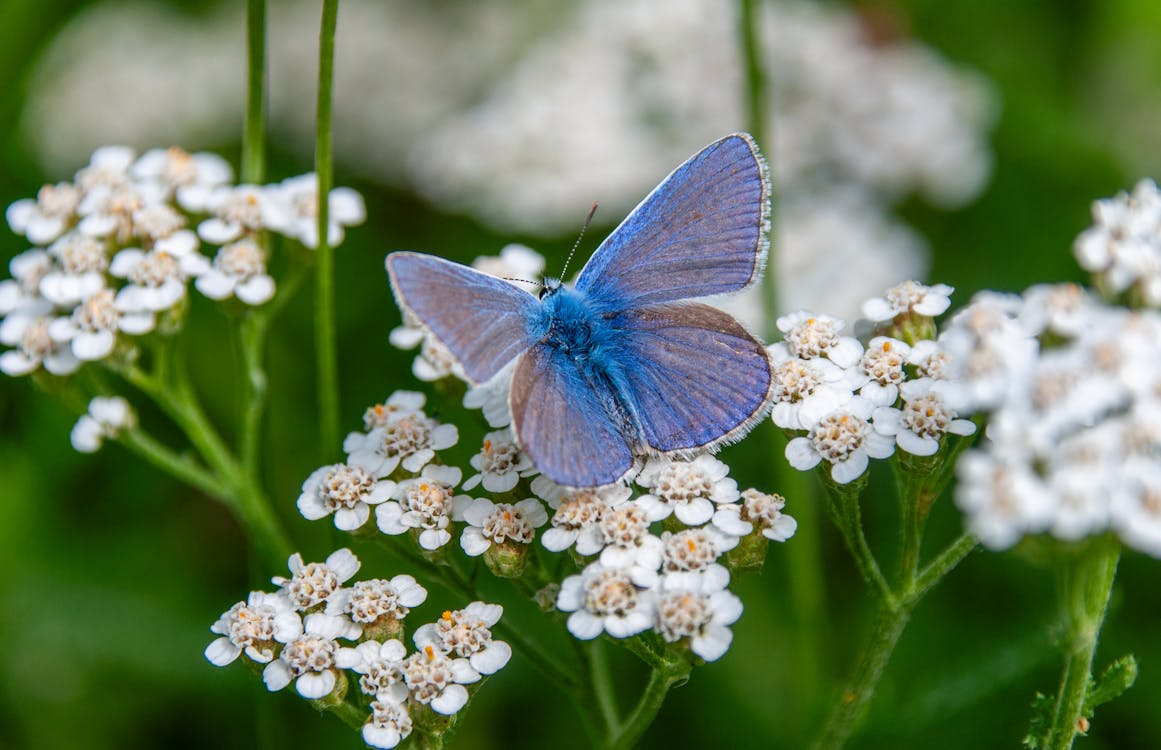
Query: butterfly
[623, 364]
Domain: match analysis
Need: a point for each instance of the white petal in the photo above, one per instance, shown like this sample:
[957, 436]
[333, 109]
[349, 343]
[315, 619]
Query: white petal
[452, 699]
[801, 454]
[349, 519]
[493, 658]
[584, 625]
[276, 675]
[256, 290]
[315, 685]
[222, 652]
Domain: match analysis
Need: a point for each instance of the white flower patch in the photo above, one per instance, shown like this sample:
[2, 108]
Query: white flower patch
[807, 389]
[409, 441]
[254, 627]
[111, 212]
[388, 725]
[883, 363]
[346, 491]
[239, 210]
[380, 666]
[437, 680]
[698, 608]
[500, 463]
[311, 585]
[695, 551]
[517, 264]
[1124, 246]
[688, 489]
[29, 329]
[91, 330]
[427, 503]
[628, 544]
[499, 523]
[190, 178]
[157, 278]
[79, 271]
[399, 404]
[467, 633]
[758, 511]
[577, 520]
[370, 601]
[1002, 499]
[605, 600]
[919, 426]
[106, 418]
[238, 270]
[22, 291]
[299, 196]
[46, 217]
[844, 439]
[309, 660]
[808, 336]
[909, 298]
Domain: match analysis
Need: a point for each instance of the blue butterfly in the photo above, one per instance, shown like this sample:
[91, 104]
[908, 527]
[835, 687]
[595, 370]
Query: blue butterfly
[622, 365]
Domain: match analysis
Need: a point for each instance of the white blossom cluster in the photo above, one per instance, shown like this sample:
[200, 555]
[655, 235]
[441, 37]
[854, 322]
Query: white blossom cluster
[651, 553]
[847, 403]
[115, 249]
[1073, 390]
[106, 417]
[301, 634]
[1123, 247]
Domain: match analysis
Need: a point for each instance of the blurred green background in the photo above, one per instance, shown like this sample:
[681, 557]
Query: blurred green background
[115, 572]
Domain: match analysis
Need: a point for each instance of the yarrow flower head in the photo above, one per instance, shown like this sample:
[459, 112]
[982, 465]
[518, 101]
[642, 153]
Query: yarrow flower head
[1123, 247]
[605, 600]
[347, 491]
[106, 418]
[378, 605]
[577, 520]
[309, 660]
[238, 270]
[408, 439]
[380, 666]
[808, 336]
[844, 439]
[312, 584]
[500, 463]
[299, 199]
[757, 513]
[502, 532]
[919, 426]
[467, 633]
[698, 610]
[256, 628]
[909, 298]
[438, 680]
[426, 503]
[688, 489]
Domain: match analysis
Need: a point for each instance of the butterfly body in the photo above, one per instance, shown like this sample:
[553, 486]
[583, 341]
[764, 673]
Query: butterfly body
[624, 363]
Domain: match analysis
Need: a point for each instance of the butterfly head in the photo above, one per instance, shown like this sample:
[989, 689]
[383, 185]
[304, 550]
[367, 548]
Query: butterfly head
[550, 287]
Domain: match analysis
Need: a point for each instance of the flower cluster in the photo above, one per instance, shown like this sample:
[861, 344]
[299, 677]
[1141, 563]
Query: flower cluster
[106, 418]
[1073, 391]
[115, 249]
[847, 403]
[298, 632]
[1123, 247]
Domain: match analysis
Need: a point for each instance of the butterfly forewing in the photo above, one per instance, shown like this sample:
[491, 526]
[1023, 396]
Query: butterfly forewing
[697, 379]
[563, 421]
[482, 320]
[701, 232]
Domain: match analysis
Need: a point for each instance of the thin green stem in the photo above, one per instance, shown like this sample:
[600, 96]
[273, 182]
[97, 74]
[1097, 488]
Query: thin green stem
[602, 682]
[1087, 586]
[856, 695]
[254, 133]
[251, 338]
[327, 358]
[180, 467]
[943, 564]
[661, 680]
[843, 503]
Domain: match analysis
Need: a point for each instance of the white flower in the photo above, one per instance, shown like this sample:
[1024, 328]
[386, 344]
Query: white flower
[380, 666]
[844, 439]
[426, 502]
[883, 363]
[688, 489]
[516, 264]
[467, 633]
[499, 523]
[1003, 499]
[189, 177]
[694, 550]
[369, 601]
[398, 405]
[48, 216]
[29, 330]
[699, 608]
[578, 517]
[241, 210]
[106, 418]
[254, 627]
[438, 680]
[629, 545]
[388, 725]
[107, 170]
[111, 211]
[491, 398]
[1136, 506]
[606, 600]
[500, 462]
[410, 441]
[808, 336]
[238, 270]
[910, 297]
[312, 584]
[91, 330]
[346, 491]
[1124, 246]
[758, 511]
[309, 660]
[924, 419]
[80, 268]
[157, 279]
[23, 289]
[300, 196]
[807, 389]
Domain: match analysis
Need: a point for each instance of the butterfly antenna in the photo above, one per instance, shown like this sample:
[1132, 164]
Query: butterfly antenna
[575, 245]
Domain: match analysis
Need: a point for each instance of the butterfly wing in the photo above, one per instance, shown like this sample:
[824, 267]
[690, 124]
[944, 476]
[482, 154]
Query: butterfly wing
[701, 232]
[565, 422]
[696, 377]
[483, 321]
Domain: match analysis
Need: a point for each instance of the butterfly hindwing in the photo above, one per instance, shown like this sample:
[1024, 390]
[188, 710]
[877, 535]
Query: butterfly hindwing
[564, 422]
[697, 377]
[482, 320]
[701, 232]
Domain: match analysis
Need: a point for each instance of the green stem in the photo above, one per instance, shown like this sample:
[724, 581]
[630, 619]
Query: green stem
[1088, 582]
[661, 680]
[251, 338]
[328, 376]
[602, 682]
[843, 503]
[180, 467]
[943, 564]
[254, 133]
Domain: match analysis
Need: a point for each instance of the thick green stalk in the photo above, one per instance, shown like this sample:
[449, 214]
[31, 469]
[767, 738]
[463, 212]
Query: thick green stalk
[327, 358]
[254, 132]
[1088, 582]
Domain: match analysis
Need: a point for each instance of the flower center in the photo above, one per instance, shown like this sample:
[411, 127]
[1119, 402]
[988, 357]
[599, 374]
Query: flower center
[927, 417]
[625, 526]
[578, 511]
[311, 653]
[79, 254]
[884, 364]
[794, 380]
[687, 550]
[97, 313]
[812, 338]
[838, 435]
[312, 585]
[240, 259]
[507, 522]
[682, 615]
[346, 486]
[610, 593]
[154, 269]
[374, 599]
